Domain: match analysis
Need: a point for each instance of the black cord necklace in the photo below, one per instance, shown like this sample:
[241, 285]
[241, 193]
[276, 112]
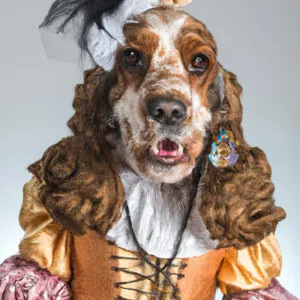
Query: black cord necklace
[164, 269]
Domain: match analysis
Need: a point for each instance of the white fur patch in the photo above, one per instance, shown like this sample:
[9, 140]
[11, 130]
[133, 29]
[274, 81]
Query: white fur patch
[167, 36]
[157, 221]
[201, 115]
[128, 107]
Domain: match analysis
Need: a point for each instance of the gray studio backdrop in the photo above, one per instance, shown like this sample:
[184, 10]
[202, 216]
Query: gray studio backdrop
[258, 40]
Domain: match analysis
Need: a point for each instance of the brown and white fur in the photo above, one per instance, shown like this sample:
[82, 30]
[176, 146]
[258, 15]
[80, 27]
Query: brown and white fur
[168, 40]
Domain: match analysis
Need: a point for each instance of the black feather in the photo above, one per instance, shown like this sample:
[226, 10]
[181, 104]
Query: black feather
[66, 10]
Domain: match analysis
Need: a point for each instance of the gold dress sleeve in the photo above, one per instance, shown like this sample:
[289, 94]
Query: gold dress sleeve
[45, 242]
[251, 268]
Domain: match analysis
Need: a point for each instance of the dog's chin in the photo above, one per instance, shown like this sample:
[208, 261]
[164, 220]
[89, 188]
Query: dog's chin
[170, 174]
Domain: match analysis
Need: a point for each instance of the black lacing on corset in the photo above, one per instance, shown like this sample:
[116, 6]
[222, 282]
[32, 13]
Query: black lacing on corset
[164, 270]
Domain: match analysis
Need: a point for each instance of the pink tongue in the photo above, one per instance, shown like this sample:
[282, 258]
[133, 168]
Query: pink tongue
[167, 148]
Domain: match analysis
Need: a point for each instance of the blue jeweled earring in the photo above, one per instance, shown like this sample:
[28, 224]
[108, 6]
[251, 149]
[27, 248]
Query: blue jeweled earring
[223, 153]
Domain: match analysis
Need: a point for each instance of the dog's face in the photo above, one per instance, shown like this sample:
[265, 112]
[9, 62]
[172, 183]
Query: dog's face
[160, 101]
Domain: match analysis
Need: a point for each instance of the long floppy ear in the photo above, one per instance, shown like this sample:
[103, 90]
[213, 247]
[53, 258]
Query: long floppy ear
[81, 188]
[237, 204]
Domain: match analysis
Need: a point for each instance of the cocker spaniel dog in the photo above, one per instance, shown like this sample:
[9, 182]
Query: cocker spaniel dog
[156, 113]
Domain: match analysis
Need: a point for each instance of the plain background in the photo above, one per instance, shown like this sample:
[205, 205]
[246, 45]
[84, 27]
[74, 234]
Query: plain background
[258, 40]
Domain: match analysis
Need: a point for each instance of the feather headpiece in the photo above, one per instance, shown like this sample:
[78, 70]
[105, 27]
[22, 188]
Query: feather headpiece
[95, 25]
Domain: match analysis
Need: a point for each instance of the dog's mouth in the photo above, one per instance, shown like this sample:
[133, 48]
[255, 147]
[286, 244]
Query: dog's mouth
[168, 152]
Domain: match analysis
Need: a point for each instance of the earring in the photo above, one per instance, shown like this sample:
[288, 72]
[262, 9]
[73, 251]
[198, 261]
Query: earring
[223, 153]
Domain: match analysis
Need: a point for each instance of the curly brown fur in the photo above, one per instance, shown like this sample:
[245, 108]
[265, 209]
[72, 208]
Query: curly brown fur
[92, 109]
[80, 190]
[237, 205]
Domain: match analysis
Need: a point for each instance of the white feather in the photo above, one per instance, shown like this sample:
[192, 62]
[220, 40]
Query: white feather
[102, 47]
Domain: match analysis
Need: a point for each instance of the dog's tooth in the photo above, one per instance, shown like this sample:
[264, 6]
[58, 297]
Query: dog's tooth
[180, 150]
[173, 153]
[155, 150]
[177, 153]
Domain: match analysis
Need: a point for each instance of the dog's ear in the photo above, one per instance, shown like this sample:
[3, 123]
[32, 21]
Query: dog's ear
[237, 204]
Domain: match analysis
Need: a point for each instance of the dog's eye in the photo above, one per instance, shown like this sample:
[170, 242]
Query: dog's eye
[199, 63]
[132, 57]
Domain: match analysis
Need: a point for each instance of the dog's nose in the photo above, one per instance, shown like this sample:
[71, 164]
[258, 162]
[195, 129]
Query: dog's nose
[167, 111]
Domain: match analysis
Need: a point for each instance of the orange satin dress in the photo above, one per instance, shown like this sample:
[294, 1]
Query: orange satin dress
[98, 270]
